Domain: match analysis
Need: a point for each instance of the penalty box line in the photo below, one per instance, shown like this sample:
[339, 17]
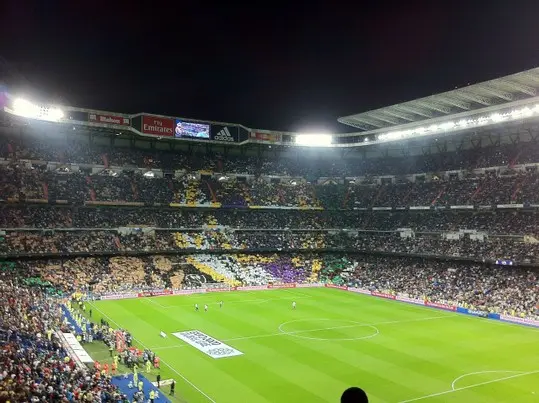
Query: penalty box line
[163, 361]
[475, 385]
[282, 333]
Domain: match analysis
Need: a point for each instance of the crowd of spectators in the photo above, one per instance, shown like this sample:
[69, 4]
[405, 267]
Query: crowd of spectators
[34, 365]
[461, 245]
[47, 217]
[499, 289]
[77, 150]
[117, 181]
[101, 275]
[30, 183]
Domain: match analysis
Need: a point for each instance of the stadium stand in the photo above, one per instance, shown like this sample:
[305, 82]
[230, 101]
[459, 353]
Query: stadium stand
[109, 218]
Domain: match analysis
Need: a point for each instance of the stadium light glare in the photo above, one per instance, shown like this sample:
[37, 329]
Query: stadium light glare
[497, 117]
[55, 114]
[25, 108]
[447, 125]
[314, 140]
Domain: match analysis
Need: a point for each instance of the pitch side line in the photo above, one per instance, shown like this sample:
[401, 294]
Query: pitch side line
[469, 386]
[163, 361]
[281, 333]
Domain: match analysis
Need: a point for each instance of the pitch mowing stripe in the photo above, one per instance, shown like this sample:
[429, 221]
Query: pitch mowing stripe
[416, 359]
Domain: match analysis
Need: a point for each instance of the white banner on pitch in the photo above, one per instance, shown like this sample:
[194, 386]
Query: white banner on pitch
[207, 344]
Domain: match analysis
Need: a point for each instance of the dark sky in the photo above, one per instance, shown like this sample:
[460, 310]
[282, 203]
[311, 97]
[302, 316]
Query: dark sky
[287, 66]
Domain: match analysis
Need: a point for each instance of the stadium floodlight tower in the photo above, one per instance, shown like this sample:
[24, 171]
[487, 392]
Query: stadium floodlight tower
[27, 109]
[314, 139]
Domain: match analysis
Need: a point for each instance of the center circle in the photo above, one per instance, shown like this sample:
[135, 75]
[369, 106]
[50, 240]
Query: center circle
[307, 333]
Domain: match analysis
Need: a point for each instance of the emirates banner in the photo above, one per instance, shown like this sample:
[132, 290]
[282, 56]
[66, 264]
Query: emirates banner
[157, 126]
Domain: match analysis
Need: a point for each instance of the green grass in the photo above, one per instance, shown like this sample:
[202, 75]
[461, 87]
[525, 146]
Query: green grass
[396, 352]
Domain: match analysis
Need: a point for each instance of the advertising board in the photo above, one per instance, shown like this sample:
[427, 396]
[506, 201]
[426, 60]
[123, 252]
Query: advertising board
[441, 306]
[271, 137]
[284, 285]
[221, 289]
[359, 290]
[156, 293]
[119, 296]
[224, 133]
[410, 300]
[382, 295]
[252, 288]
[521, 321]
[109, 119]
[309, 285]
[157, 126]
[189, 292]
[340, 287]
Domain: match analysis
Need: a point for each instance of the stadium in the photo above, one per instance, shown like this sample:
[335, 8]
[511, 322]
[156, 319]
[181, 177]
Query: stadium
[159, 257]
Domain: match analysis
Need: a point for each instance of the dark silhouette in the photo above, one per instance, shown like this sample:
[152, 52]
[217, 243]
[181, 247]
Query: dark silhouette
[354, 395]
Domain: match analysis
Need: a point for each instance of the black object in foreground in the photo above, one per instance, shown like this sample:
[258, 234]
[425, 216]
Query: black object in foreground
[354, 395]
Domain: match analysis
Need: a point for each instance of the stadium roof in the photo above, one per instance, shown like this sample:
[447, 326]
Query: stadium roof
[473, 97]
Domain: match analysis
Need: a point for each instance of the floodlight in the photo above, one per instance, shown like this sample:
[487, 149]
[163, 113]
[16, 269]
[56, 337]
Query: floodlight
[55, 114]
[314, 140]
[25, 108]
[447, 125]
[496, 117]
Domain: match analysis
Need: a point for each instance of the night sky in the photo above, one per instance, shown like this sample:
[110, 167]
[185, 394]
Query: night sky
[270, 65]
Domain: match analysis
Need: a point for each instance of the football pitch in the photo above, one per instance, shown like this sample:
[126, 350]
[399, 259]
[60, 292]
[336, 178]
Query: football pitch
[334, 339]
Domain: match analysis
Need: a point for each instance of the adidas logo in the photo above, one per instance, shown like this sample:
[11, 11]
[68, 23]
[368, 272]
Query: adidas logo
[224, 135]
